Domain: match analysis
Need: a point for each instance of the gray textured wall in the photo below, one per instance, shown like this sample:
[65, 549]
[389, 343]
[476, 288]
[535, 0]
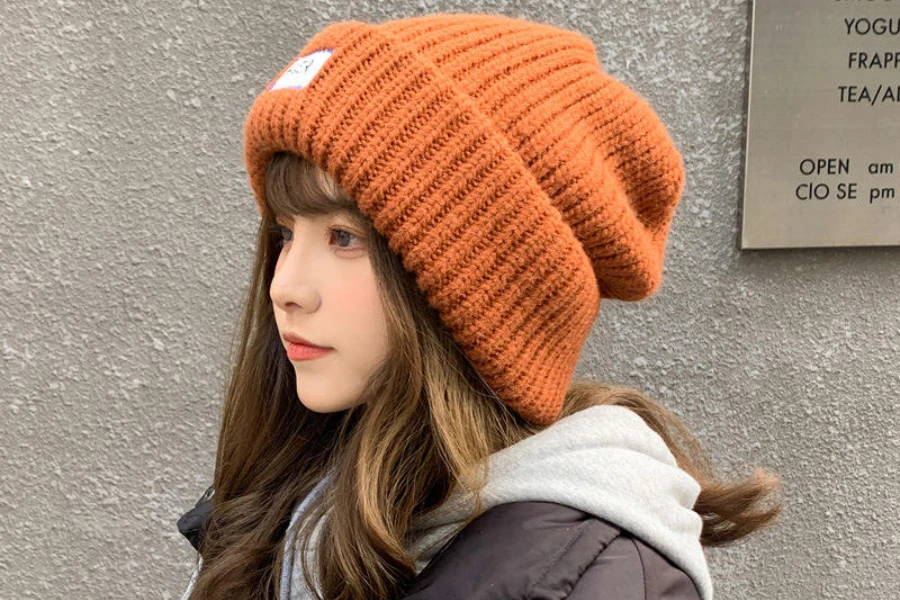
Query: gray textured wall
[126, 233]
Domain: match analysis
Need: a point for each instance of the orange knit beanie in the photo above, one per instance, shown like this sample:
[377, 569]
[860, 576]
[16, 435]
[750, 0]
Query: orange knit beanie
[518, 181]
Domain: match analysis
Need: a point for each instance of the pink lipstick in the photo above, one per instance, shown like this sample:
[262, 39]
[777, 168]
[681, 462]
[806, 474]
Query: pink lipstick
[300, 348]
[303, 352]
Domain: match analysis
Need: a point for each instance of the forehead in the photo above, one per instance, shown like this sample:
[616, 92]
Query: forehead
[294, 189]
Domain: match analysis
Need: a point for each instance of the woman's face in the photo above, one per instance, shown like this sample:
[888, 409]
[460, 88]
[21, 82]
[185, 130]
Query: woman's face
[324, 290]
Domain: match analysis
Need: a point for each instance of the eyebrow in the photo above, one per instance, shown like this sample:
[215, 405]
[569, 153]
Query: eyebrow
[355, 217]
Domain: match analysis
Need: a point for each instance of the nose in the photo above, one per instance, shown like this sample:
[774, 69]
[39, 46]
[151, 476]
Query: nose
[293, 286]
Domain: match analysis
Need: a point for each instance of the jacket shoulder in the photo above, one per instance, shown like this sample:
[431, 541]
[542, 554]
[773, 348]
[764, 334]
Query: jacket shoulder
[545, 550]
[630, 569]
[192, 524]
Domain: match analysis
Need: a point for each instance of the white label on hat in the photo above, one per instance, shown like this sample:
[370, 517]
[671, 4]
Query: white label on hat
[302, 71]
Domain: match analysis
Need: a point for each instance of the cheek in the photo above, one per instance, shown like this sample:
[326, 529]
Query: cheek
[359, 300]
[362, 322]
[359, 297]
[365, 294]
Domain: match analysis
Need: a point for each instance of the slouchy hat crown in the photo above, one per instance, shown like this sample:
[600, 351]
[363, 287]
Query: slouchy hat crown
[517, 180]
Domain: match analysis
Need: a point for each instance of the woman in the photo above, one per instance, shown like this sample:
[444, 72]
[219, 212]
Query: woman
[444, 200]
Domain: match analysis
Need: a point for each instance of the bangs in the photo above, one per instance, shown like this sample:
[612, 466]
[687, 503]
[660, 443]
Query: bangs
[296, 186]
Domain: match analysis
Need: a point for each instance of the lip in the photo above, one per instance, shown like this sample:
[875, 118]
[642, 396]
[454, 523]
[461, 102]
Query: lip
[293, 338]
[304, 352]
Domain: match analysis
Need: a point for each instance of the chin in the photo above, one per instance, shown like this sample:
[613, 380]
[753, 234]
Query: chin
[325, 403]
[321, 409]
[324, 408]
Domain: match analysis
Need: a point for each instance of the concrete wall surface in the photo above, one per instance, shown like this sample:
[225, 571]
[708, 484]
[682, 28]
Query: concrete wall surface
[126, 232]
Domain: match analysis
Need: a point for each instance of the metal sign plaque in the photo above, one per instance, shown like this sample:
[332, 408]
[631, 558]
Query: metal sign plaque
[823, 125]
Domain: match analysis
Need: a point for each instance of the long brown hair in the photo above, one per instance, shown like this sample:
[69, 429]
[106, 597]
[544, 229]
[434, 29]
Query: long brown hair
[426, 423]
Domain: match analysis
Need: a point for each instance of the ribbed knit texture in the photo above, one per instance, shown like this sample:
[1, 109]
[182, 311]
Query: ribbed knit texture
[518, 181]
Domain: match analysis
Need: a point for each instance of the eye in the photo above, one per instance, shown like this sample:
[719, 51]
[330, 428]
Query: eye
[342, 238]
[343, 235]
[279, 232]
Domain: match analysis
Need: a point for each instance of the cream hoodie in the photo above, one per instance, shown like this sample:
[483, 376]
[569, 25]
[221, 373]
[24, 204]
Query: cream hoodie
[603, 460]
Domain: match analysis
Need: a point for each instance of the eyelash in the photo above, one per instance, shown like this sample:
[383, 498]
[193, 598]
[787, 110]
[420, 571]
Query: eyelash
[278, 231]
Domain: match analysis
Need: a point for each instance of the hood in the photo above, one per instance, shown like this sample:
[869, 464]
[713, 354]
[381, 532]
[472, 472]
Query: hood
[604, 460]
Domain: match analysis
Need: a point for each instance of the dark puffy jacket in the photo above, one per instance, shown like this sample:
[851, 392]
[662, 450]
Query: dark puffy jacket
[544, 551]
[534, 551]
